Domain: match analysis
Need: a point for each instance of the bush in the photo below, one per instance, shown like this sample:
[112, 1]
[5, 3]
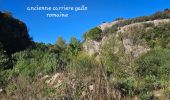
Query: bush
[30, 63]
[49, 62]
[158, 15]
[126, 87]
[4, 74]
[5, 61]
[167, 93]
[94, 34]
[154, 63]
[147, 95]
[153, 71]
[26, 68]
[83, 63]
[158, 36]
[111, 30]
[21, 88]
[42, 46]
[74, 47]
[151, 83]
[11, 88]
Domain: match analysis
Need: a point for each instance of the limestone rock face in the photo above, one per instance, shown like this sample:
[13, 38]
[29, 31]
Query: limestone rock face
[91, 47]
[135, 50]
[126, 31]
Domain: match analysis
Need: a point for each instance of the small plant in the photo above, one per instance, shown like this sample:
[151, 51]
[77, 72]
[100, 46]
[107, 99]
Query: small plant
[50, 64]
[167, 93]
[94, 34]
[147, 95]
[126, 87]
[83, 63]
[5, 61]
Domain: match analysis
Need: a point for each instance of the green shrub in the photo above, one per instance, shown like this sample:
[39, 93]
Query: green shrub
[42, 46]
[112, 61]
[94, 34]
[153, 71]
[10, 89]
[27, 68]
[50, 92]
[156, 63]
[74, 47]
[126, 87]
[24, 64]
[4, 78]
[60, 45]
[158, 15]
[147, 95]
[151, 83]
[30, 63]
[5, 61]
[167, 93]
[158, 36]
[110, 30]
[49, 62]
[83, 63]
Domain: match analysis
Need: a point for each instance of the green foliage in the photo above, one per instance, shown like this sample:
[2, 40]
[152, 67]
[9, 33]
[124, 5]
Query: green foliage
[59, 49]
[158, 15]
[50, 92]
[126, 87]
[149, 73]
[60, 44]
[158, 36]
[111, 30]
[5, 61]
[21, 88]
[25, 64]
[83, 63]
[147, 95]
[154, 71]
[109, 58]
[151, 83]
[129, 77]
[30, 63]
[11, 88]
[42, 46]
[155, 62]
[167, 93]
[49, 63]
[94, 34]
[74, 47]
[113, 59]
[4, 74]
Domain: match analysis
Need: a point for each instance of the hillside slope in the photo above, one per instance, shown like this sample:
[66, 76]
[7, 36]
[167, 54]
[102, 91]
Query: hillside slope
[121, 60]
[129, 34]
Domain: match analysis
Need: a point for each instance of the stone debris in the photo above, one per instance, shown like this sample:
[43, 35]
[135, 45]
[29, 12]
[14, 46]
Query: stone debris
[45, 77]
[54, 79]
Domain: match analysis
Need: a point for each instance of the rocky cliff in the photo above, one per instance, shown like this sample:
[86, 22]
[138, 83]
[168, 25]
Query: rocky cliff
[127, 35]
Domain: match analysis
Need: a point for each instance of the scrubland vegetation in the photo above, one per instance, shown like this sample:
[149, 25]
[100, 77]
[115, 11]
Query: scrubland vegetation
[26, 66]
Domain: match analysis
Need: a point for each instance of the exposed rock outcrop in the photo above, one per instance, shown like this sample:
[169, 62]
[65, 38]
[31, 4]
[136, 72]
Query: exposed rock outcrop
[127, 34]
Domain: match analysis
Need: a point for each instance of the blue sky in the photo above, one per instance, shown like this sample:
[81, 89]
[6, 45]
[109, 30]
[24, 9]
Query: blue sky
[44, 29]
